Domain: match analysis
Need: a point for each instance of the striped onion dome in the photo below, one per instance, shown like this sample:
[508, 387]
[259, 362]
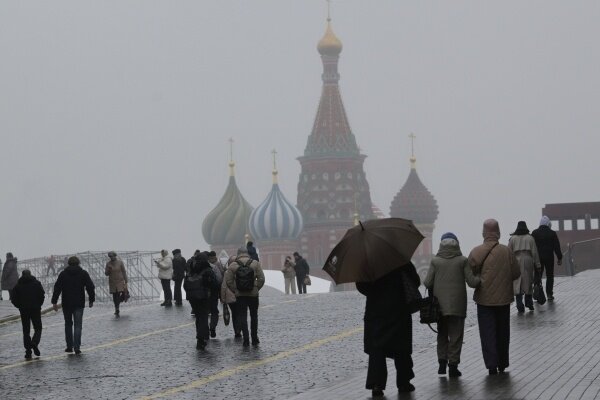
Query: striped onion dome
[227, 223]
[275, 218]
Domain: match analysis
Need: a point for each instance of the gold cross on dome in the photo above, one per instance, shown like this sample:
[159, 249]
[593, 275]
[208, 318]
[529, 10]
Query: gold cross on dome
[328, 10]
[231, 149]
[412, 137]
[274, 152]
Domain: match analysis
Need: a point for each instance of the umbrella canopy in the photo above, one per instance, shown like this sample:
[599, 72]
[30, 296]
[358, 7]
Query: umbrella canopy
[372, 249]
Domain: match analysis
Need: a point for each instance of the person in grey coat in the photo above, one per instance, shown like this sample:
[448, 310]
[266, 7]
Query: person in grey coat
[448, 272]
[10, 275]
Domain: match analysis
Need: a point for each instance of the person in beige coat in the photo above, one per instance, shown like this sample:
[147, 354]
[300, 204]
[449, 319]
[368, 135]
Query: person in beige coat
[289, 275]
[237, 274]
[117, 279]
[448, 272]
[497, 267]
[525, 249]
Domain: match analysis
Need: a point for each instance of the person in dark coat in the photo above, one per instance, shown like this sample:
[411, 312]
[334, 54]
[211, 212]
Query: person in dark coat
[10, 275]
[302, 270]
[198, 285]
[548, 245]
[72, 283]
[252, 251]
[388, 328]
[179, 267]
[28, 296]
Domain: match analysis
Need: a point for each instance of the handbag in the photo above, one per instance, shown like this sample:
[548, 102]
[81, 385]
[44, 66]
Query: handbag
[307, 281]
[538, 293]
[124, 296]
[430, 312]
[412, 296]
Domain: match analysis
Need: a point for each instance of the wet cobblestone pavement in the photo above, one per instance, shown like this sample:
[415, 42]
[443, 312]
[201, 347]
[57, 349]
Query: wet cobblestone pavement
[306, 341]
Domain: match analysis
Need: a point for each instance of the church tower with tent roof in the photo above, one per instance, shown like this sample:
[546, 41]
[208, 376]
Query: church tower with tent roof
[225, 228]
[415, 202]
[332, 178]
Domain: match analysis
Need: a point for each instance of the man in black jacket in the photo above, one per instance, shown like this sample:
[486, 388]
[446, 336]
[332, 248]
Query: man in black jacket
[179, 267]
[72, 283]
[302, 270]
[547, 243]
[28, 297]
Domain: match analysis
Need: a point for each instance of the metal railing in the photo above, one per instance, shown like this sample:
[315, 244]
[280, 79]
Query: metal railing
[581, 256]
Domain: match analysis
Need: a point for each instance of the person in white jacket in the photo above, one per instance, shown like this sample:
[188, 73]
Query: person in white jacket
[165, 274]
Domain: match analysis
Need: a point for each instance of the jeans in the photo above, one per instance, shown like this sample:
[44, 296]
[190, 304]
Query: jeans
[214, 310]
[301, 285]
[244, 303]
[166, 286]
[73, 333]
[377, 370]
[28, 318]
[200, 308]
[290, 284]
[494, 331]
[177, 294]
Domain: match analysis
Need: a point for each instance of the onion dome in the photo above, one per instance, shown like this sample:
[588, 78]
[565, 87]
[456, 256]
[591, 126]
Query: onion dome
[275, 218]
[414, 201]
[329, 45]
[227, 223]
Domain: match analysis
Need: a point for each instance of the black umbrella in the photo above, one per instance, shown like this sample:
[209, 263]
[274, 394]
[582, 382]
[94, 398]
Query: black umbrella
[372, 249]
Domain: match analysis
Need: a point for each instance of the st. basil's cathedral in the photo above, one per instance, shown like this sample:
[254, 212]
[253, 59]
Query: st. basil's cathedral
[333, 192]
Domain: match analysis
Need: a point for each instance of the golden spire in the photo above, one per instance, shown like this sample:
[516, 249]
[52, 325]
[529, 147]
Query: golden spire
[274, 152]
[231, 162]
[356, 214]
[329, 44]
[413, 159]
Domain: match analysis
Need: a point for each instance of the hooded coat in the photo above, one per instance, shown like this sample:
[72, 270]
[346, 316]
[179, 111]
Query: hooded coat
[525, 250]
[388, 322]
[28, 294]
[117, 276]
[448, 272]
[73, 282]
[547, 244]
[10, 275]
[497, 272]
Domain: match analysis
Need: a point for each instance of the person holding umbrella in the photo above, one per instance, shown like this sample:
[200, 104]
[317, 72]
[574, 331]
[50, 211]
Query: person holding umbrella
[376, 255]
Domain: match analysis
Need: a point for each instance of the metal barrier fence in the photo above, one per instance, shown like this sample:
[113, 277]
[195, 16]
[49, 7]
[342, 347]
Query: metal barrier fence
[143, 283]
[581, 256]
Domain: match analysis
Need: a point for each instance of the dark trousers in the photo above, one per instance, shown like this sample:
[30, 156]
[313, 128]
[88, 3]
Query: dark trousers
[214, 310]
[548, 265]
[177, 293]
[116, 300]
[166, 286]
[73, 326]
[377, 371]
[28, 318]
[244, 303]
[494, 331]
[200, 308]
[451, 330]
[235, 317]
[301, 285]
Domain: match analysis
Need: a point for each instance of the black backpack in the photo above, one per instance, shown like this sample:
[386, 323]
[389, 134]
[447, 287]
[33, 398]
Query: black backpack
[244, 276]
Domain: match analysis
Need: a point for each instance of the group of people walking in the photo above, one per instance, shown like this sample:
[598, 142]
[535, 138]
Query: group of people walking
[500, 275]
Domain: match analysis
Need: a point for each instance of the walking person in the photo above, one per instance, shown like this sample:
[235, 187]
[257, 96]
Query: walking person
[71, 285]
[10, 275]
[219, 271]
[165, 274]
[523, 246]
[252, 251]
[302, 271]
[289, 275]
[117, 279]
[548, 245]
[229, 300]
[448, 272]
[388, 328]
[28, 296]
[198, 285]
[497, 268]
[179, 267]
[245, 278]
[50, 266]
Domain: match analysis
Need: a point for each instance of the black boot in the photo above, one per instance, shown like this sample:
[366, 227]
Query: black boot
[200, 344]
[442, 368]
[520, 306]
[529, 302]
[454, 372]
[493, 371]
[376, 392]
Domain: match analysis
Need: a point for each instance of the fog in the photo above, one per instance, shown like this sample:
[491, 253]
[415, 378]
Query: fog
[115, 116]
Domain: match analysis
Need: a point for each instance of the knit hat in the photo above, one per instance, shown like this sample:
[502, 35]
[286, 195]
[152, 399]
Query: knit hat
[242, 250]
[449, 235]
[545, 221]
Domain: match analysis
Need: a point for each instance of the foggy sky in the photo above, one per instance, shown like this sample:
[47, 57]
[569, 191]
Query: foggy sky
[115, 115]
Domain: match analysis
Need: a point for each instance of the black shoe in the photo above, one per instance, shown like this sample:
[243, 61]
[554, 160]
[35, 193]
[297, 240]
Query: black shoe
[237, 335]
[442, 368]
[255, 342]
[376, 392]
[117, 313]
[169, 304]
[493, 371]
[520, 308]
[501, 370]
[77, 351]
[36, 351]
[68, 350]
[246, 343]
[531, 307]
[454, 372]
[550, 298]
[213, 334]
[28, 355]
[164, 303]
[200, 344]
[406, 387]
